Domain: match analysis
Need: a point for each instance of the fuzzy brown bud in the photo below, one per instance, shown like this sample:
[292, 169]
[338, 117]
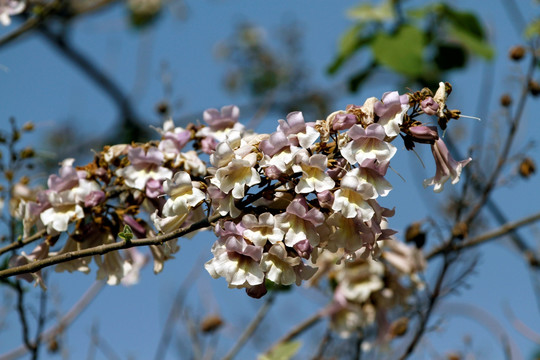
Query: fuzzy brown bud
[211, 323]
[517, 52]
[460, 230]
[415, 234]
[506, 100]
[527, 167]
[162, 108]
[28, 126]
[534, 88]
[399, 327]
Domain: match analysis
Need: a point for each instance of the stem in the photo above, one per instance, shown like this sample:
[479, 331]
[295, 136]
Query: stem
[490, 235]
[18, 244]
[299, 329]
[106, 248]
[251, 327]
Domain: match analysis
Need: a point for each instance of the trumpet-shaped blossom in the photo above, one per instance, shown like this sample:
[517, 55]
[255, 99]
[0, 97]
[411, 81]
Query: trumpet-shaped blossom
[238, 174]
[351, 198]
[314, 177]
[278, 267]
[367, 143]
[447, 167]
[183, 194]
[390, 111]
[258, 231]
[9, 8]
[144, 166]
[299, 222]
[297, 130]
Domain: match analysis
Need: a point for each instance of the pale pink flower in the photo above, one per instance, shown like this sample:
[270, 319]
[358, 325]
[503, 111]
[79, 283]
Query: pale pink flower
[183, 194]
[64, 210]
[40, 252]
[297, 130]
[390, 111]
[429, 106]
[314, 177]
[260, 230]
[299, 223]
[144, 166]
[9, 8]
[220, 123]
[367, 143]
[278, 267]
[351, 198]
[239, 271]
[238, 174]
[447, 167]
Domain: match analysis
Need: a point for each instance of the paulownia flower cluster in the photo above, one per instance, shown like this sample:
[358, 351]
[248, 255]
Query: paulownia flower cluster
[301, 199]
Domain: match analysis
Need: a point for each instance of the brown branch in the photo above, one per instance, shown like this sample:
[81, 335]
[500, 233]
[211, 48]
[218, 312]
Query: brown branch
[31, 23]
[24, 242]
[106, 248]
[64, 322]
[250, 329]
[503, 157]
[480, 239]
[299, 329]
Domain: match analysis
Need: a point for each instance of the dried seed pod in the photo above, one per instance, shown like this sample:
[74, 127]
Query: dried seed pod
[211, 323]
[527, 167]
[415, 235]
[517, 52]
[506, 100]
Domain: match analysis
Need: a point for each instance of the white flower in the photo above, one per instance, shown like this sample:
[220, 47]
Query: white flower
[259, 231]
[183, 194]
[238, 174]
[278, 266]
[63, 210]
[367, 143]
[9, 8]
[350, 199]
[314, 177]
[239, 270]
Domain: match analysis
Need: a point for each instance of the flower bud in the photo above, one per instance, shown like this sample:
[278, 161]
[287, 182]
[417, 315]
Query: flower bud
[517, 52]
[506, 100]
[326, 199]
[527, 168]
[257, 291]
[424, 133]
[303, 248]
[534, 88]
[343, 121]
[211, 323]
[429, 106]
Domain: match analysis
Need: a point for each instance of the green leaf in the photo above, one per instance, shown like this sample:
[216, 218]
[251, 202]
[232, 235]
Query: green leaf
[533, 29]
[402, 52]
[465, 21]
[349, 43]
[127, 234]
[474, 44]
[468, 30]
[284, 351]
[368, 12]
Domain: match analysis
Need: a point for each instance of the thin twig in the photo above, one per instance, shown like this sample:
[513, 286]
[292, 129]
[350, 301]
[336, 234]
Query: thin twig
[19, 244]
[22, 317]
[480, 239]
[174, 313]
[299, 329]
[106, 248]
[64, 322]
[514, 125]
[248, 332]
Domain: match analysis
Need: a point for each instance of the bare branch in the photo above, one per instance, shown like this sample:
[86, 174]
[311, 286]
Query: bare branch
[490, 235]
[24, 242]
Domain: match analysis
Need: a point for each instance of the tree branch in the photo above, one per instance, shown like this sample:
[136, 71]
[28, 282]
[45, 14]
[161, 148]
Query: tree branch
[490, 235]
[106, 248]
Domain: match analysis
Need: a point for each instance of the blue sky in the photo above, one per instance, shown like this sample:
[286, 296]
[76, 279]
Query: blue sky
[39, 85]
